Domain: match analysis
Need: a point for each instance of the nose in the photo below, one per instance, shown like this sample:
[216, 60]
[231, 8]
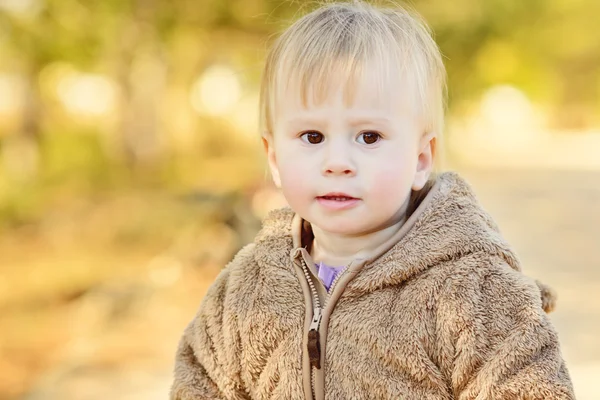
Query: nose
[338, 161]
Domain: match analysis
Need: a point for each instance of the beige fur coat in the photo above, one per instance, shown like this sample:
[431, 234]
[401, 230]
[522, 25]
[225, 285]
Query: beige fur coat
[441, 311]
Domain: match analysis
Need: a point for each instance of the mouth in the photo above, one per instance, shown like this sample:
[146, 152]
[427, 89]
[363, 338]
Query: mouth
[336, 202]
[337, 197]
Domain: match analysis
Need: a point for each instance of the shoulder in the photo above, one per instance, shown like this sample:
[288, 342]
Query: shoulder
[485, 287]
[232, 279]
[244, 260]
[481, 271]
[480, 283]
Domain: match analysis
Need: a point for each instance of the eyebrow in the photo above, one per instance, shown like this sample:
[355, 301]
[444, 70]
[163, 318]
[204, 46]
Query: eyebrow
[369, 121]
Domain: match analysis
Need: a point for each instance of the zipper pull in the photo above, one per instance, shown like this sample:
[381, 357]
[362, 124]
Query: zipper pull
[314, 346]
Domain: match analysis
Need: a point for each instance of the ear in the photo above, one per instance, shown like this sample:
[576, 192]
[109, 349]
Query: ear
[425, 161]
[269, 145]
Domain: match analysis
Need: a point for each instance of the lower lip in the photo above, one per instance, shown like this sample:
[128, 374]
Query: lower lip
[337, 204]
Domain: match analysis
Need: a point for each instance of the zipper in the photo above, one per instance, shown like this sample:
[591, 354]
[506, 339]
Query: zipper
[313, 344]
[314, 347]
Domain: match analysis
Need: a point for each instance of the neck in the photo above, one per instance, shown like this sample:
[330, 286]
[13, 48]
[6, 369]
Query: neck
[340, 250]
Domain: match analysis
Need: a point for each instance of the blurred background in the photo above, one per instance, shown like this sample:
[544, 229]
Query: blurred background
[131, 170]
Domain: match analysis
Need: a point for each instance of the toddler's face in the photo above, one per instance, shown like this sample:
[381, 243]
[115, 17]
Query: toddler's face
[349, 168]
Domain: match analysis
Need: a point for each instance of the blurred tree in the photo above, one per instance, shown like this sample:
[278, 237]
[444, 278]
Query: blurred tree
[549, 48]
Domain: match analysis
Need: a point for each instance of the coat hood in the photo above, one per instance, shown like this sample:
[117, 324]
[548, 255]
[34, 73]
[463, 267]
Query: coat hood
[448, 224]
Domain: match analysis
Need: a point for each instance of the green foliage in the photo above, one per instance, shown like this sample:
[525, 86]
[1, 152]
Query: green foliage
[75, 156]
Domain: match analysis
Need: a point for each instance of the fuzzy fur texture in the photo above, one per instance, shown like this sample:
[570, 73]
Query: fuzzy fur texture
[445, 314]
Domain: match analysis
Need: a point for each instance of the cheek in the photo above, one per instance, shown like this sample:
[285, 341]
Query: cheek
[392, 177]
[295, 181]
[390, 188]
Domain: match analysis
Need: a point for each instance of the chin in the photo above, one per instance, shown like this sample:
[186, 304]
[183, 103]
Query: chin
[342, 228]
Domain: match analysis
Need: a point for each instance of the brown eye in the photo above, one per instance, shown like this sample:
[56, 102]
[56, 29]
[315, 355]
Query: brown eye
[369, 137]
[312, 137]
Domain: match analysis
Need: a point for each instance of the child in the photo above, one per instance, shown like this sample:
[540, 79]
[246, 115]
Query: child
[383, 280]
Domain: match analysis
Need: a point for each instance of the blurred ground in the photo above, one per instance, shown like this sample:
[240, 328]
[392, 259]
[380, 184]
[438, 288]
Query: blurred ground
[113, 335]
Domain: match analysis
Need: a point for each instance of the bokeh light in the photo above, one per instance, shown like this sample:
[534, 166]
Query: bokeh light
[216, 91]
[87, 95]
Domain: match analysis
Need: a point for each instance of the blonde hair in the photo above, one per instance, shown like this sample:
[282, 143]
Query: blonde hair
[341, 40]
